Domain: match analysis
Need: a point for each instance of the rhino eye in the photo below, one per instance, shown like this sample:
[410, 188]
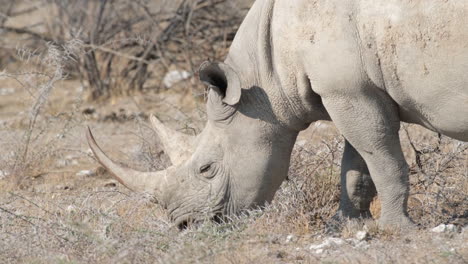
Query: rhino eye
[205, 168]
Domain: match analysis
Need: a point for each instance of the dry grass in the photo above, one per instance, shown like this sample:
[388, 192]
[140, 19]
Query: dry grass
[29, 148]
[125, 46]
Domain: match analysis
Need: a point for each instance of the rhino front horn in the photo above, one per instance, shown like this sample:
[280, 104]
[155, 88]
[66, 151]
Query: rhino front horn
[178, 146]
[155, 183]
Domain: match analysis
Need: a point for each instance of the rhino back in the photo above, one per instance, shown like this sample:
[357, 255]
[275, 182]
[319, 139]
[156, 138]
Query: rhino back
[415, 51]
[422, 49]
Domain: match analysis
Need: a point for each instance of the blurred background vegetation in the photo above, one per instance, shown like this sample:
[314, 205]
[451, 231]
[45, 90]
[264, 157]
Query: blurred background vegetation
[120, 47]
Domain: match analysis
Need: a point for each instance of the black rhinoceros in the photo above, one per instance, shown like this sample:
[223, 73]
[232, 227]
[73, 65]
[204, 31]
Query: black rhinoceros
[365, 65]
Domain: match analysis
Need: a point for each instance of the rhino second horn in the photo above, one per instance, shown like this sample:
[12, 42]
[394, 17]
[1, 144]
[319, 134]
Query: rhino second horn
[154, 183]
[178, 146]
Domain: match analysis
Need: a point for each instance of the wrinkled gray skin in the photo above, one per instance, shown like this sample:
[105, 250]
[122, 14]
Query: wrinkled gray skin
[365, 65]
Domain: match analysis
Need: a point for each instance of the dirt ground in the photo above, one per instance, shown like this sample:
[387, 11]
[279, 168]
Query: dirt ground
[62, 207]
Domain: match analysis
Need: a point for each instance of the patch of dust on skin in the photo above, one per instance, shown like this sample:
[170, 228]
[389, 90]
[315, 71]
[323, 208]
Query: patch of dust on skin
[408, 40]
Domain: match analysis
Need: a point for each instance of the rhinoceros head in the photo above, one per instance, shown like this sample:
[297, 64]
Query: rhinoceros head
[237, 162]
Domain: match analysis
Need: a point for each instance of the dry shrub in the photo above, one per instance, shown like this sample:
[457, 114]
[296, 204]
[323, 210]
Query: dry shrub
[310, 196]
[31, 149]
[126, 43]
[438, 176]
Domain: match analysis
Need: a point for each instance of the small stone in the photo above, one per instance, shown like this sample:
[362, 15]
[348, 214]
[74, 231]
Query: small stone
[319, 246]
[85, 173]
[71, 208]
[3, 174]
[289, 238]
[329, 242]
[439, 229]
[450, 228]
[361, 235]
[174, 77]
[336, 241]
[7, 91]
[319, 251]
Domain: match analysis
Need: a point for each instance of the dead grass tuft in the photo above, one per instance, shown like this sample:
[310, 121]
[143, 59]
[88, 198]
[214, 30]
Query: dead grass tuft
[28, 151]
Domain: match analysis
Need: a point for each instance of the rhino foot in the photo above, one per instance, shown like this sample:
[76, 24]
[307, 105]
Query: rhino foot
[343, 218]
[401, 223]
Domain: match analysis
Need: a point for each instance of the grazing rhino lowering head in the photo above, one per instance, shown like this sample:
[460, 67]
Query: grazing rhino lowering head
[365, 65]
[223, 169]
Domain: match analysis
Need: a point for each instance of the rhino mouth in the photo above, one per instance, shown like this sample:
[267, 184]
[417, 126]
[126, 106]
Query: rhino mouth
[185, 221]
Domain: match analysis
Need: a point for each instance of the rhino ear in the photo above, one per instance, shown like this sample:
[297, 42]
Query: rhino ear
[223, 80]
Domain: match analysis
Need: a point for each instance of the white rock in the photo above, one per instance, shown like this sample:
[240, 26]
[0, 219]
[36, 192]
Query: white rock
[450, 228]
[319, 251]
[315, 246]
[289, 238]
[444, 228]
[361, 235]
[174, 77]
[439, 229]
[3, 174]
[336, 241]
[85, 173]
[7, 91]
[329, 242]
[319, 246]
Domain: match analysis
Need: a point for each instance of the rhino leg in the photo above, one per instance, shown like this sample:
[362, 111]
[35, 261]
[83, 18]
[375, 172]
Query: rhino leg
[358, 189]
[369, 120]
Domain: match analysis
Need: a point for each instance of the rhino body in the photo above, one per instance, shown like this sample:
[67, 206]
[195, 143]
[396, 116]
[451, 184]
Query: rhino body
[365, 65]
